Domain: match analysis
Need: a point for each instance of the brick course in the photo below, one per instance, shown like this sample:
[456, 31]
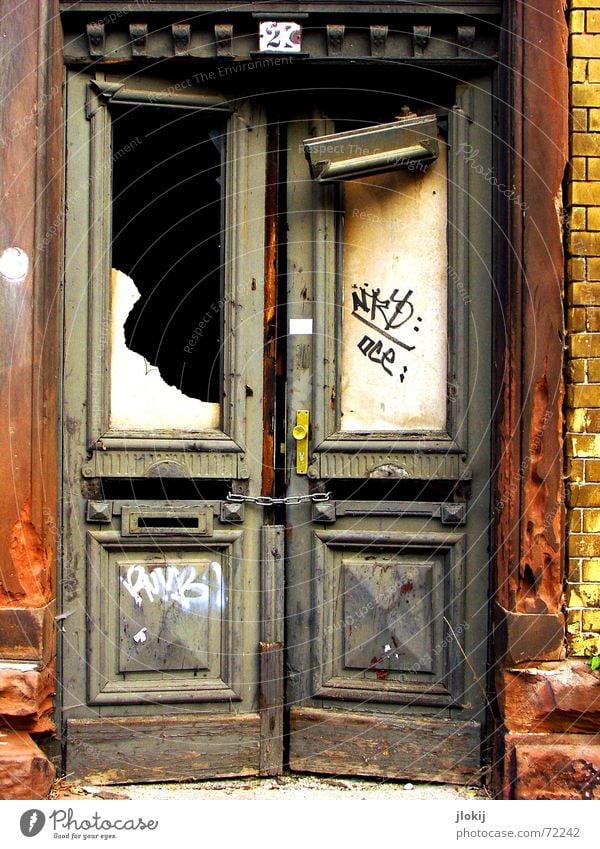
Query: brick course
[583, 325]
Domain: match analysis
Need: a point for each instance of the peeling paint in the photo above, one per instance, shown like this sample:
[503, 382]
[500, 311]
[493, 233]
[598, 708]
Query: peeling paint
[29, 580]
[539, 589]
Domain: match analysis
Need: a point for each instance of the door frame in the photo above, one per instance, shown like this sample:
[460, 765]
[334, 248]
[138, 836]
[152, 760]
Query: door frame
[529, 350]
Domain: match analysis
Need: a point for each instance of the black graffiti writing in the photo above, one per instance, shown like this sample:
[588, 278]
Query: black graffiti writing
[374, 351]
[385, 316]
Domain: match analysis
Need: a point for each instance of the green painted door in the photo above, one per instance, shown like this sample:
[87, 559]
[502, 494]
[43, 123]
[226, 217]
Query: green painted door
[389, 294]
[255, 356]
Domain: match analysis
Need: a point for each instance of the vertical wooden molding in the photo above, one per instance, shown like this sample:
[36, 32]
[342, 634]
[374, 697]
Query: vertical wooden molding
[271, 693]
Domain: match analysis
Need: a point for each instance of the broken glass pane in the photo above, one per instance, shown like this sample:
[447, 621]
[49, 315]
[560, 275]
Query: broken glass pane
[167, 203]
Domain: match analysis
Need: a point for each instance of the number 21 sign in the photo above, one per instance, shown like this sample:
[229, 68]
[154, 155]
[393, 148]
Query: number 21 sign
[280, 37]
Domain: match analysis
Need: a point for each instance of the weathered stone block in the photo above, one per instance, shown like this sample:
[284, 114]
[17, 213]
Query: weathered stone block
[578, 75]
[583, 595]
[577, 21]
[25, 772]
[529, 636]
[559, 697]
[590, 620]
[551, 766]
[25, 690]
[593, 174]
[585, 144]
[592, 21]
[579, 242]
[584, 645]
[27, 633]
[576, 272]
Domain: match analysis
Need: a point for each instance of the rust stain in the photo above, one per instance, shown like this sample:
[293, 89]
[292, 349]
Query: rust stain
[539, 573]
[270, 314]
[407, 587]
[29, 581]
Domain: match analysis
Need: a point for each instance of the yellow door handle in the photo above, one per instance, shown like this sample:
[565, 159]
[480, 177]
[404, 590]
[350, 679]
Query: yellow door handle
[300, 434]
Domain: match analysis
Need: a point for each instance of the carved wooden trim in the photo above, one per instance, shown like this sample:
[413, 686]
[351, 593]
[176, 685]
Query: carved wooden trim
[335, 39]
[182, 37]
[96, 37]
[138, 35]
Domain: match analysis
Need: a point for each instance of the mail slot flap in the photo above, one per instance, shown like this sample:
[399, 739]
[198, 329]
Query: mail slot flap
[171, 521]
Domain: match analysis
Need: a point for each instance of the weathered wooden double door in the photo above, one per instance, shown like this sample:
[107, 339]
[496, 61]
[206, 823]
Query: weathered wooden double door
[276, 429]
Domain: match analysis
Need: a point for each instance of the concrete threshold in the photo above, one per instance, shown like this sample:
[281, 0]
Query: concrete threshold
[282, 787]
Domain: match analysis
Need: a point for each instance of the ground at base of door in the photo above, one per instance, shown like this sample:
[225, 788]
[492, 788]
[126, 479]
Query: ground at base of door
[282, 787]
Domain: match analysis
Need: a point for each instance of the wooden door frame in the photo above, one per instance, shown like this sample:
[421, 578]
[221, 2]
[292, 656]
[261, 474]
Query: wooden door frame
[528, 429]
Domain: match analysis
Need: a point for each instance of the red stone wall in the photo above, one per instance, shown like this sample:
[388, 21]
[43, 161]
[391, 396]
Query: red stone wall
[30, 148]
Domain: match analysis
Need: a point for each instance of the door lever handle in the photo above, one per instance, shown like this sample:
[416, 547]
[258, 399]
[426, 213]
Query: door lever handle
[300, 434]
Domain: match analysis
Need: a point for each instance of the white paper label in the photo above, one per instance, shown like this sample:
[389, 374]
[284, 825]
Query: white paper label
[301, 326]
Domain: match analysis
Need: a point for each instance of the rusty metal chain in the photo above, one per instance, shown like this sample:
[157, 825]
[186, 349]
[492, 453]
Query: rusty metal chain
[268, 501]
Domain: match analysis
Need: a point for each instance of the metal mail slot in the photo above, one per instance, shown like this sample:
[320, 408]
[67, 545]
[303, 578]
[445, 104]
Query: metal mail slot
[385, 147]
[173, 521]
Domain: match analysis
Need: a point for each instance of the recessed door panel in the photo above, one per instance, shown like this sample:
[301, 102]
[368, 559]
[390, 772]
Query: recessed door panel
[395, 305]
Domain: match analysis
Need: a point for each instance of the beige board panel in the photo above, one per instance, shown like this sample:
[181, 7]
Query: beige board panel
[140, 400]
[394, 318]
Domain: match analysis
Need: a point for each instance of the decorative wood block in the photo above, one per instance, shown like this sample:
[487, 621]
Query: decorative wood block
[335, 39]
[182, 38]
[465, 38]
[379, 36]
[223, 40]
[138, 36]
[96, 37]
[421, 36]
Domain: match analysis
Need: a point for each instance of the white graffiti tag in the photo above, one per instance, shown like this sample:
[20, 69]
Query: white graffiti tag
[184, 586]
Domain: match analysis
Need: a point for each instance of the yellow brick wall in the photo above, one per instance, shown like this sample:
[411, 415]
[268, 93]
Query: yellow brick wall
[583, 325]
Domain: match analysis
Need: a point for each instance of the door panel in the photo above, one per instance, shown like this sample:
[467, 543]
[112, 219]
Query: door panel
[162, 614]
[173, 598]
[387, 615]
